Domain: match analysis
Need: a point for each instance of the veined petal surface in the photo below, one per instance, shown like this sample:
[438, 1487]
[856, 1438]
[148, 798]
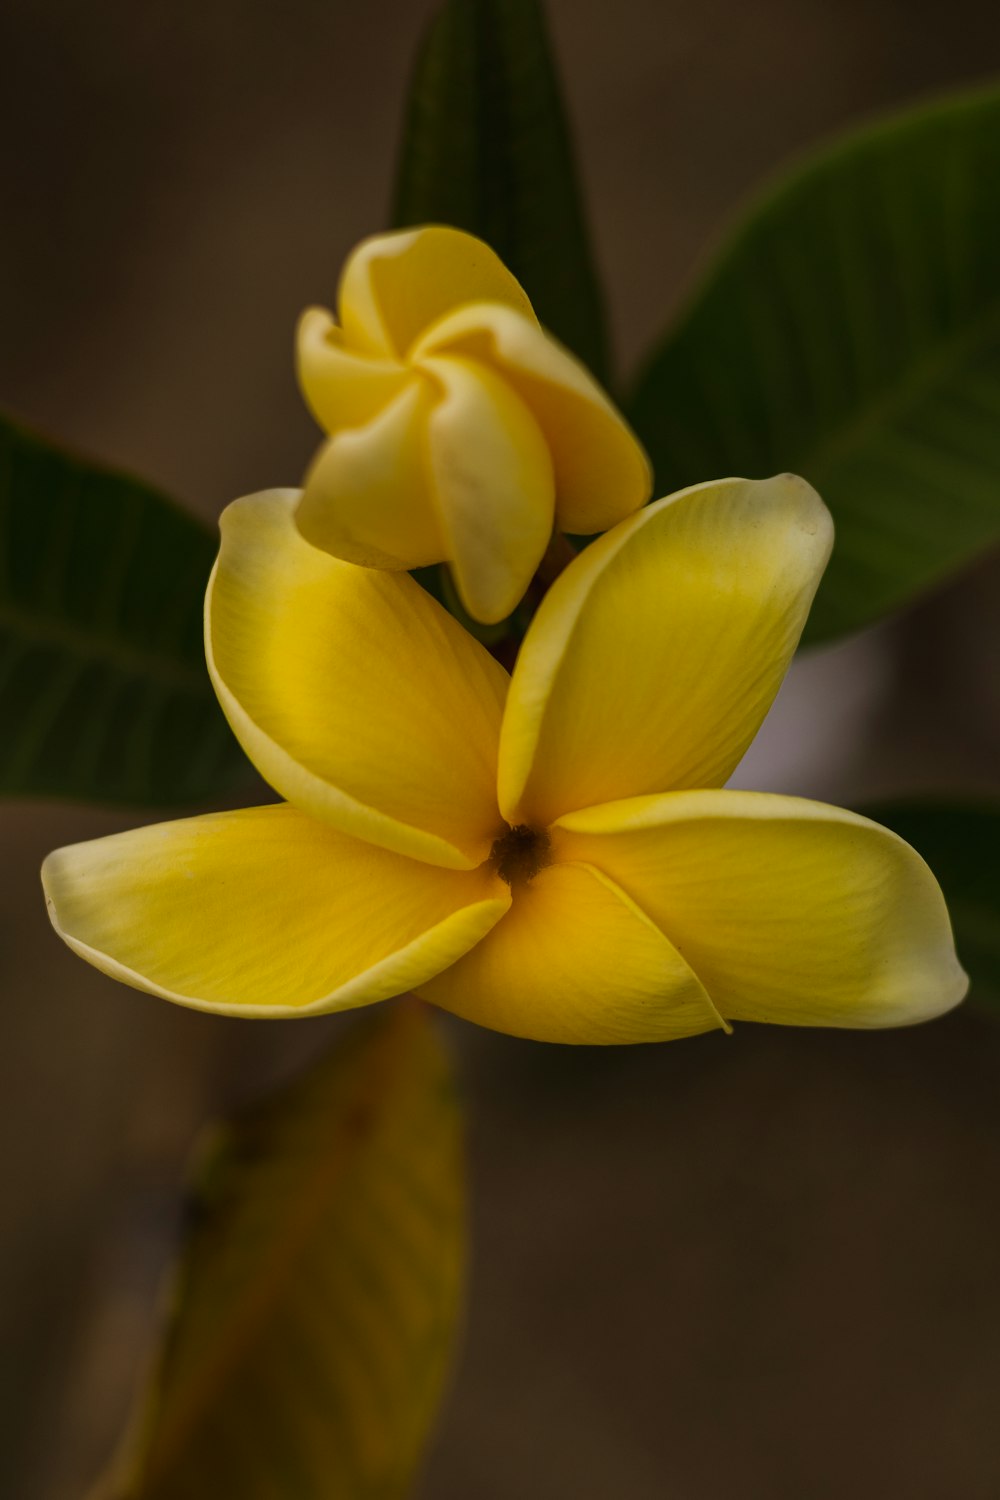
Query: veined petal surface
[656, 654]
[787, 910]
[394, 285]
[367, 498]
[264, 912]
[575, 961]
[491, 475]
[342, 388]
[355, 695]
[601, 471]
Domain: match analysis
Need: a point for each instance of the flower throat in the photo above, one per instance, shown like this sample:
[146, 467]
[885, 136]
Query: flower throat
[519, 854]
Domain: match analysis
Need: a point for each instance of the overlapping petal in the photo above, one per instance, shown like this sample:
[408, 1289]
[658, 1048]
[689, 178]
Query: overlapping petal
[461, 432]
[574, 960]
[343, 388]
[356, 695]
[787, 910]
[491, 474]
[656, 654]
[394, 285]
[367, 497]
[264, 912]
[601, 472]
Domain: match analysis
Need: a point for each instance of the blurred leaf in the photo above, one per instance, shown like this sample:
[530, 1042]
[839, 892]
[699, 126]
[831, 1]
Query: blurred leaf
[318, 1292]
[486, 147]
[104, 692]
[850, 331]
[961, 843]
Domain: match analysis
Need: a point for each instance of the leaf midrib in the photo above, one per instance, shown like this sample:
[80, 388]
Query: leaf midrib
[941, 359]
[86, 642]
[257, 1300]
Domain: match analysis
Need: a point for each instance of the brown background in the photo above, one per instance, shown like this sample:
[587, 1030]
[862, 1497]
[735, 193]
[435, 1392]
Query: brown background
[755, 1269]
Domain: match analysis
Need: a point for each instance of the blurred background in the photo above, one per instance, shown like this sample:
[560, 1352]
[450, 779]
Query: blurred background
[760, 1267]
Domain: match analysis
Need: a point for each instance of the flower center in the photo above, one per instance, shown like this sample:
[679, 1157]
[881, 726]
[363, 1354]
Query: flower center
[519, 853]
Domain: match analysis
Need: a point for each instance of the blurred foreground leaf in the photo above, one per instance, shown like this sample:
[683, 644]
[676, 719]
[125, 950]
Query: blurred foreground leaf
[104, 693]
[318, 1292]
[486, 147]
[961, 843]
[850, 331]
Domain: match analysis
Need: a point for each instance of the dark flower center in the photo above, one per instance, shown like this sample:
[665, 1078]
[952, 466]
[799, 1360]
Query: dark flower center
[519, 853]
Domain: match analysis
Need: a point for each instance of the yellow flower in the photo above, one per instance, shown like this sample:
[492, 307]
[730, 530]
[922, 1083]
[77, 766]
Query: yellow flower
[548, 854]
[460, 432]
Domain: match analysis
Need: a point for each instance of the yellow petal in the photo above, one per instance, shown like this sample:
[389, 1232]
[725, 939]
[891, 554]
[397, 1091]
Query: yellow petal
[367, 498]
[602, 474]
[343, 389]
[575, 961]
[264, 912]
[492, 477]
[787, 910]
[394, 285]
[657, 653]
[354, 694]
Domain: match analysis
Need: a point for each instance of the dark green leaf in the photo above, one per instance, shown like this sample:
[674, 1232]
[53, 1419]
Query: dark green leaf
[850, 331]
[486, 147]
[961, 843]
[318, 1292]
[104, 692]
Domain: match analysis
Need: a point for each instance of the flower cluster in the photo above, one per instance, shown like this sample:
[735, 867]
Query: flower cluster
[551, 853]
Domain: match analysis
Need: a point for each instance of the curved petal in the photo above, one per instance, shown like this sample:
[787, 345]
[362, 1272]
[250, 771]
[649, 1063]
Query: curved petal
[787, 910]
[264, 912]
[366, 498]
[575, 961]
[343, 389]
[394, 285]
[356, 695]
[491, 474]
[656, 654]
[602, 473]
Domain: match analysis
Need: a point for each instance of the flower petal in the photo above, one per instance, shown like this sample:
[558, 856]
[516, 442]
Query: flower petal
[787, 910]
[343, 389]
[602, 474]
[492, 476]
[394, 285]
[356, 695]
[656, 654]
[264, 912]
[575, 961]
[367, 498]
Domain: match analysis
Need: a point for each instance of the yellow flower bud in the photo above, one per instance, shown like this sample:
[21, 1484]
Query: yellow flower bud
[459, 430]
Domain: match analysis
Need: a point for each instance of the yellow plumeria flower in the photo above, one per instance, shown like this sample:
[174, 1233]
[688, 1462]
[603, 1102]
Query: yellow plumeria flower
[549, 854]
[460, 431]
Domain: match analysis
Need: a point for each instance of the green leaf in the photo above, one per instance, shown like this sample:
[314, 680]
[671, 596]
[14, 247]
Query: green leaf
[961, 843]
[850, 331]
[486, 147]
[104, 693]
[315, 1307]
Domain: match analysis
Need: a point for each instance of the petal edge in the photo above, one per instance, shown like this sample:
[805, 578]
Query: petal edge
[602, 473]
[575, 961]
[656, 654]
[263, 913]
[789, 911]
[355, 694]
